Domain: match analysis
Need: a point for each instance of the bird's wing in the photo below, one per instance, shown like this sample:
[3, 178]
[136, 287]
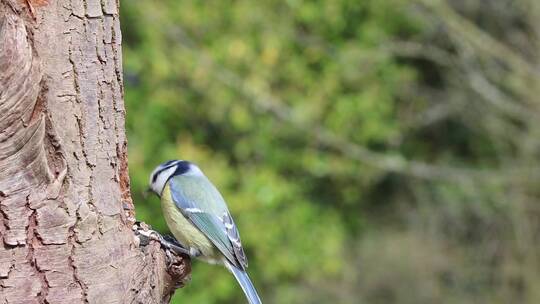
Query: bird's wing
[208, 212]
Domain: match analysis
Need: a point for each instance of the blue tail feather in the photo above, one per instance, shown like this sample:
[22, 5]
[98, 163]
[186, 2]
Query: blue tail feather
[244, 281]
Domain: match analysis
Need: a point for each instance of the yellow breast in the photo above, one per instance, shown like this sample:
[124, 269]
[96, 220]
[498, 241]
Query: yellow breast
[184, 231]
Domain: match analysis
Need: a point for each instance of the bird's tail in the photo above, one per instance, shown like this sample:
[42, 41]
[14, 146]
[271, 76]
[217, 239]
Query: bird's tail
[244, 281]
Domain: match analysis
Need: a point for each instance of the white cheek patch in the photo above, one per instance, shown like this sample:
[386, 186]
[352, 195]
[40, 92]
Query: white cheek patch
[162, 178]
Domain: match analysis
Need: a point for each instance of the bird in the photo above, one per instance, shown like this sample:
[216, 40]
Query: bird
[197, 215]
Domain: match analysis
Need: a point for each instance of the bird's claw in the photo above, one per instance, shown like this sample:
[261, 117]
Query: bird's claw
[175, 247]
[168, 242]
[171, 246]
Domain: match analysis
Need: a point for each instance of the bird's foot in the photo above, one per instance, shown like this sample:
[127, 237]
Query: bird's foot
[168, 242]
[172, 248]
[178, 264]
[173, 245]
[142, 233]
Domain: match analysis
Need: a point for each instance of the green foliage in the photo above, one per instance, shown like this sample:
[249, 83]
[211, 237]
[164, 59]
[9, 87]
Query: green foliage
[273, 98]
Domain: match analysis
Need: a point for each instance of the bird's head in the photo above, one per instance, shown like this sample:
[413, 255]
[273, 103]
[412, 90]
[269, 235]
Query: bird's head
[168, 169]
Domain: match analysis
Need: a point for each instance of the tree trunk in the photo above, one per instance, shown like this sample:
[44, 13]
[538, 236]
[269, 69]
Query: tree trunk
[66, 214]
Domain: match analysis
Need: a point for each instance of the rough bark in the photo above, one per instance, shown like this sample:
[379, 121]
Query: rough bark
[65, 208]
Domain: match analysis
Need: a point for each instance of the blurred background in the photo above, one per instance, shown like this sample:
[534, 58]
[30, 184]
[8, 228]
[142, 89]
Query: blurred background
[370, 151]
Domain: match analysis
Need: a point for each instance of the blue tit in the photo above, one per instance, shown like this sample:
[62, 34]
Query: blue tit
[198, 217]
